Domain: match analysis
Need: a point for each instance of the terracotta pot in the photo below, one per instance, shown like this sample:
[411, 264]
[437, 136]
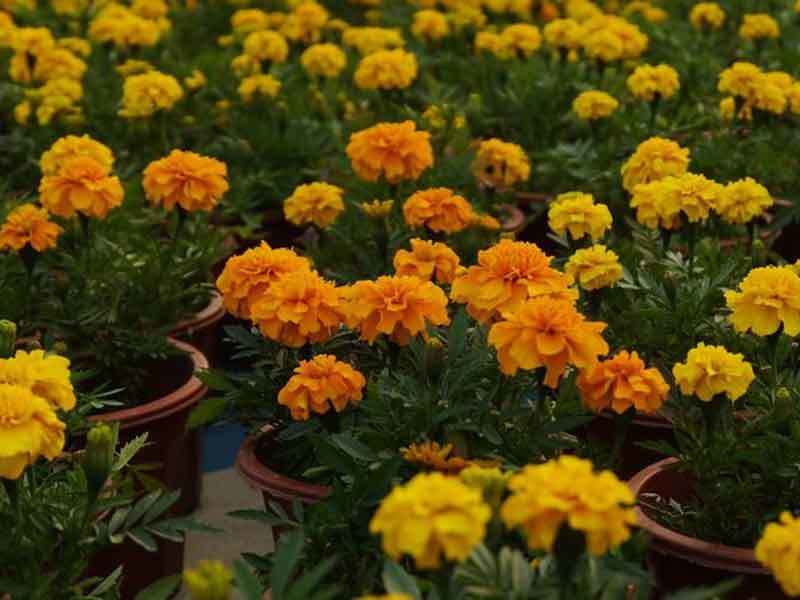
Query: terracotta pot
[512, 220]
[680, 560]
[203, 329]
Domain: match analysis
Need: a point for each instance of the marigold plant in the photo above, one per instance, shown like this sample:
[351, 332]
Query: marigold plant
[82, 185]
[594, 267]
[768, 297]
[577, 213]
[779, 551]
[712, 370]
[501, 164]
[428, 261]
[622, 382]
[396, 151]
[318, 203]
[29, 225]
[438, 209]
[654, 159]
[195, 182]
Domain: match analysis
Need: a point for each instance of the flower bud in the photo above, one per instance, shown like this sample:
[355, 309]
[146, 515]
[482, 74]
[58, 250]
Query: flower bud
[211, 580]
[8, 338]
[784, 406]
[98, 458]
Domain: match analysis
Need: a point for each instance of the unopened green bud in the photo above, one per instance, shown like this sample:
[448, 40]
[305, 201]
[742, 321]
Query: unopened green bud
[784, 406]
[211, 580]
[60, 348]
[8, 338]
[98, 459]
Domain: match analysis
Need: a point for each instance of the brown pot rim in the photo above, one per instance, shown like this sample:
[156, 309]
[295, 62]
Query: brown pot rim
[186, 395]
[514, 218]
[210, 315]
[666, 541]
[264, 479]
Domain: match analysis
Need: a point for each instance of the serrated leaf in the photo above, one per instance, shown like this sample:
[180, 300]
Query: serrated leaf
[396, 580]
[163, 589]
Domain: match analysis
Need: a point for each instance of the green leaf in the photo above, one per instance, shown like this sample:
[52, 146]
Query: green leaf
[143, 539]
[108, 583]
[161, 505]
[163, 589]
[706, 593]
[141, 507]
[285, 561]
[396, 580]
[130, 450]
[248, 584]
[206, 412]
[353, 447]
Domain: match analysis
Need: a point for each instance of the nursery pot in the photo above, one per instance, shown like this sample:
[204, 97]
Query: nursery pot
[512, 219]
[680, 560]
[203, 329]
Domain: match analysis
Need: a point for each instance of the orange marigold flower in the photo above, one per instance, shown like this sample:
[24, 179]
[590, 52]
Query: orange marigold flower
[395, 150]
[438, 209]
[434, 457]
[298, 308]
[319, 384]
[318, 203]
[193, 181]
[426, 260]
[550, 333]
[28, 224]
[246, 277]
[400, 307]
[621, 382]
[82, 185]
[70, 146]
[507, 274]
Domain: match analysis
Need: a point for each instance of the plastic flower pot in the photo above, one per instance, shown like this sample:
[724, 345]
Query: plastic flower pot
[203, 329]
[680, 560]
[512, 219]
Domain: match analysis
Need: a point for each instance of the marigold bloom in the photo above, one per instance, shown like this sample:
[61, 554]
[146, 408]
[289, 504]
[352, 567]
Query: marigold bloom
[565, 34]
[594, 268]
[438, 209]
[493, 43]
[434, 457]
[28, 224]
[500, 164]
[767, 298]
[81, 185]
[398, 306]
[654, 159]
[430, 25]
[266, 45]
[320, 384]
[71, 146]
[133, 66]
[576, 213]
[622, 382]
[594, 104]
[741, 79]
[372, 39]
[727, 108]
[707, 15]
[32, 40]
[566, 491]
[246, 20]
[58, 63]
[655, 207]
[550, 333]
[45, 375]
[245, 65]
[120, 26]
[318, 203]
[396, 151]
[258, 85]
[742, 201]
[196, 81]
[430, 516]
[210, 580]
[305, 23]
[712, 370]
[144, 95]
[386, 70]
[693, 195]
[29, 428]
[779, 551]
[299, 308]
[323, 60]
[247, 276]
[759, 26]
[193, 181]
[647, 81]
[427, 260]
[507, 274]
[377, 209]
[522, 38]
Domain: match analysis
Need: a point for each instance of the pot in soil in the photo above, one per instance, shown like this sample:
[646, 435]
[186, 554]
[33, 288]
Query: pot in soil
[679, 560]
[203, 329]
[512, 218]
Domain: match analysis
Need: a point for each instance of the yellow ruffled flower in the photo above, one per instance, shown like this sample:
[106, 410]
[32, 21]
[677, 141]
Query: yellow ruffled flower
[372, 39]
[318, 203]
[654, 159]
[430, 517]
[258, 86]
[594, 268]
[430, 25]
[500, 164]
[759, 26]
[396, 151]
[323, 60]
[58, 63]
[493, 43]
[320, 384]
[244, 65]
[712, 370]
[246, 20]
[29, 224]
[76, 45]
[463, 16]
[779, 551]
[306, 22]
[386, 70]
[133, 66]
[210, 580]
[743, 200]
[427, 260]
[576, 213]
[266, 45]
[622, 382]
[594, 104]
[122, 27]
[144, 95]
[377, 209]
[45, 375]
[72, 146]
[32, 40]
[707, 15]
[727, 108]
[438, 209]
[567, 491]
[647, 81]
[196, 81]
[564, 34]
[195, 182]
[767, 298]
[693, 195]
[81, 185]
[522, 38]
[22, 112]
[655, 206]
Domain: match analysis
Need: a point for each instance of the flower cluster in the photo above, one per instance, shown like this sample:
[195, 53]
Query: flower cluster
[320, 384]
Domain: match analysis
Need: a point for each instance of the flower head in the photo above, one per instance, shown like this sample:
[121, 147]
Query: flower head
[377, 209]
[434, 457]
[71, 146]
[368, 40]
[522, 38]
[427, 260]
[320, 384]
[550, 333]
[258, 85]
[693, 195]
[430, 24]
[622, 382]
[266, 45]
[323, 60]
[438, 209]
[28, 224]
[707, 15]
[567, 491]
[594, 268]
[45, 375]
[594, 104]
[211, 580]
[318, 203]
[759, 26]
[501, 164]
[767, 298]
[779, 551]
[577, 214]
[654, 159]
[646, 82]
[396, 151]
[430, 516]
[82, 185]
[386, 70]
[144, 95]
[193, 181]
[712, 370]
[742, 201]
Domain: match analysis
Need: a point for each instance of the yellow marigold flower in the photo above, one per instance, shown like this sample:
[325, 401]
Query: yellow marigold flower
[604, 45]
[318, 203]
[743, 200]
[258, 85]
[767, 298]
[71, 146]
[707, 15]
[523, 38]
[500, 164]
[462, 16]
[438, 209]
[622, 382]
[712, 370]
[430, 516]
[427, 260]
[741, 79]
[654, 159]
[150, 9]
[490, 480]
[493, 43]
[246, 20]
[386, 597]
[655, 207]
[779, 551]
[58, 63]
[337, 25]
[546, 332]
[32, 40]
[400, 307]
[759, 26]
[793, 98]
[396, 151]
[247, 276]
[244, 65]
[594, 268]
[508, 274]
[45, 375]
[565, 34]
[567, 491]
[306, 22]
[266, 45]
[69, 7]
[133, 66]
[694, 195]
[372, 39]
[646, 82]
[434, 457]
[727, 108]
[576, 213]
[22, 112]
[210, 580]
[386, 70]
[320, 384]
[299, 308]
[120, 26]
[377, 209]
[594, 104]
[324, 60]
[196, 81]
[144, 95]
[81, 185]
[430, 25]
[28, 224]
[29, 428]
[193, 181]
